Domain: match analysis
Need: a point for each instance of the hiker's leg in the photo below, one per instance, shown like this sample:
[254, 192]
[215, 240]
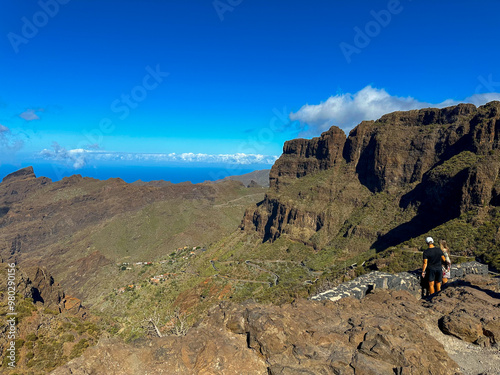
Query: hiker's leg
[431, 287]
[445, 280]
[438, 287]
[438, 279]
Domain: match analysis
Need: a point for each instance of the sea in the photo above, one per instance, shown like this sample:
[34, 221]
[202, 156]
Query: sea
[172, 173]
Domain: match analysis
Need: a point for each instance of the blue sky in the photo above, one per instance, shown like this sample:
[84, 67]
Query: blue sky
[85, 84]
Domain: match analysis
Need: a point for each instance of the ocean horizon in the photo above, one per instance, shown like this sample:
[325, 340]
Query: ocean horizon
[174, 174]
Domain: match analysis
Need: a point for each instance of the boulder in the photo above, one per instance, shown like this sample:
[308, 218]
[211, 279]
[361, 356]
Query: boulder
[461, 325]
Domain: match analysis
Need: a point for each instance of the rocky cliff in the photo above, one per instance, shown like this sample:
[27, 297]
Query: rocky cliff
[390, 180]
[302, 157]
[50, 325]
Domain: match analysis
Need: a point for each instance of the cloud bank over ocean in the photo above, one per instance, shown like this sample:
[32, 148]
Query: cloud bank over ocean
[79, 158]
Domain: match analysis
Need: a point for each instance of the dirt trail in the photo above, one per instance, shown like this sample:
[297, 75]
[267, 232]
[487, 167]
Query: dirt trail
[237, 199]
[472, 359]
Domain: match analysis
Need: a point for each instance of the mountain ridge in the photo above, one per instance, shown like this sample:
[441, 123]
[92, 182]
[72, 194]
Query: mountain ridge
[433, 164]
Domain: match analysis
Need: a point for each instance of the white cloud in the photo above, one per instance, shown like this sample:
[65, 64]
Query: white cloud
[30, 114]
[348, 110]
[76, 158]
[9, 144]
[481, 99]
[79, 158]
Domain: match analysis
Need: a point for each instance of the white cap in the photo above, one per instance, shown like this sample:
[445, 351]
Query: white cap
[429, 240]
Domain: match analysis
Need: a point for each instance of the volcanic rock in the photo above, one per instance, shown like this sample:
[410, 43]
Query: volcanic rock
[380, 335]
[387, 332]
[38, 284]
[21, 174]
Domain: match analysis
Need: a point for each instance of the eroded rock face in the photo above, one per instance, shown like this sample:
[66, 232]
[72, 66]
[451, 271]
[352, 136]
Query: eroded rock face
[17, 185]
[39, 285]
[433, 163]
[400, 147]
[302, 156]
[21, 174]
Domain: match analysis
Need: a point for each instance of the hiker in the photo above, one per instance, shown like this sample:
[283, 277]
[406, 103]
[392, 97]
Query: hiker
[446, 266]
[433, 258]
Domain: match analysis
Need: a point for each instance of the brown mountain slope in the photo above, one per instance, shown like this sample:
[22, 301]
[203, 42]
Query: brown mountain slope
[258, 177]
[79, 228]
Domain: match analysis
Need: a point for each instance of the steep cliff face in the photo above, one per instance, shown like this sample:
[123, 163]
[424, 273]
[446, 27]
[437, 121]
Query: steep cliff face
[17, 186]
[400, 147]
[302, 156]
[49, 324]
[420, 167]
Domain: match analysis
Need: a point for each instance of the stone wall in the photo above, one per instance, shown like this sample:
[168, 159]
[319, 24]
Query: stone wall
[461, 270]
[409, 281]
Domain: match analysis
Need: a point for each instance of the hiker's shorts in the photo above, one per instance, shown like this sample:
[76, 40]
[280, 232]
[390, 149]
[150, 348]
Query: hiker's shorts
[435, 275]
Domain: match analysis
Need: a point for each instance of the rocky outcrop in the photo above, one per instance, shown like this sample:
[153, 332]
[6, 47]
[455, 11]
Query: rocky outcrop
[469, 310]
[302, 156]
[21, 174]
[401, 147]
[38, 284]
[275, 217]
[382, 335]
[421, 168]
[388, 332]
[17, 186]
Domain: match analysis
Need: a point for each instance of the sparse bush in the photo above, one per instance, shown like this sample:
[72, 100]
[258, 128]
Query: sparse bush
[68, 337]
[31, 337]
[79, 348]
